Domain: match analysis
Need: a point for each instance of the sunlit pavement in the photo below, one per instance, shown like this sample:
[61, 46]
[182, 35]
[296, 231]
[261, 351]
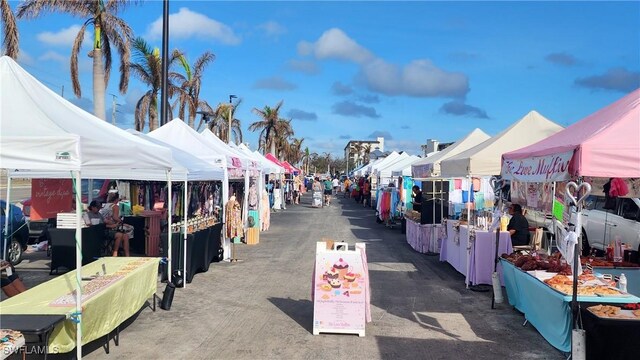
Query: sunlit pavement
[261, 307]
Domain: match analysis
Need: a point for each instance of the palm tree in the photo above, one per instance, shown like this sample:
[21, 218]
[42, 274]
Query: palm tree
[283, 132]
[295, 151]
[267, 125]
[219, 125]
[148, 68]
[10, 30]
[109, 30]
[367, 152]
[191, 83]
[306, 156]
[357, 148]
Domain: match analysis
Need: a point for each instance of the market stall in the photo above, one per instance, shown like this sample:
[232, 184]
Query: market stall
[45, 136]
[602, 145]
[120, 289]
[472, 168]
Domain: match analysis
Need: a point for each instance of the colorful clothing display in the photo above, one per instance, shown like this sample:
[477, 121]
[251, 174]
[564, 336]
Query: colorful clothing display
[387, 203]
[233, 218]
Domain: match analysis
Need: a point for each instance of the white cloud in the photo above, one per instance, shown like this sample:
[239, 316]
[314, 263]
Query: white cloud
[335, 44]
[419, 78]
[187, 24]
[53, 56]
[64, 37]
[272, 29]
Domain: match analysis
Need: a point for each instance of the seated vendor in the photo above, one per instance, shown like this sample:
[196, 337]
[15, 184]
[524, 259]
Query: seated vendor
[92, 216]
[9, 280]
[518, 226]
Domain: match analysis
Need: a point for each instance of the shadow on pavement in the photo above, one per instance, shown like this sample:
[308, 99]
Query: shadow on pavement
[301, 311]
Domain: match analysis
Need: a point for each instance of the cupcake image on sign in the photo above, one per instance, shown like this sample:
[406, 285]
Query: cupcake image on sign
[342, 267]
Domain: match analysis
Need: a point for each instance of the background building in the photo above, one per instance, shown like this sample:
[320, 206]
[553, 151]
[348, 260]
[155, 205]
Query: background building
[357, 152]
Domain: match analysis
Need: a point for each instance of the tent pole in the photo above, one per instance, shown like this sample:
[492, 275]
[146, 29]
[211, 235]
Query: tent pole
[169, 226]
[6, 221]
[468, 229]
[184, 236]
[78, 199]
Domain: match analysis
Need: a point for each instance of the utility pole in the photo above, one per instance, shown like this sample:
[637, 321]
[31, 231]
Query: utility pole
[62, 92]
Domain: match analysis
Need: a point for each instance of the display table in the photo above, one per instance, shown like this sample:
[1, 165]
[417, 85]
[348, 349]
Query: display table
[478, 256]
[548, 310]
[419, 236]
[202, 248]
[103, 312]
[36, 325]
[632, 275]
[454, 249]
[10, 342]
[483, 256]
[63, 246]
[609, 338]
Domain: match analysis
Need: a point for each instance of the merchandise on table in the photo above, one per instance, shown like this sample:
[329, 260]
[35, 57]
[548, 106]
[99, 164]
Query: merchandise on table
[608, 311]
[10, 342]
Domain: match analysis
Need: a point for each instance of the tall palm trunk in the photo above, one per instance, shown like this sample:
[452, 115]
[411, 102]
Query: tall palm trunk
[99, 85]
[153, 113]
[273, 147]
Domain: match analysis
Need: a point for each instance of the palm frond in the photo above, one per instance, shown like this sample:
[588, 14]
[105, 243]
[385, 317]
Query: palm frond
[10, 43]
[77, 43]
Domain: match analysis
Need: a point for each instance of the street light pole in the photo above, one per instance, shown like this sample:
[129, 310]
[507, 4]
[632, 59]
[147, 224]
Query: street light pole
[231, 97]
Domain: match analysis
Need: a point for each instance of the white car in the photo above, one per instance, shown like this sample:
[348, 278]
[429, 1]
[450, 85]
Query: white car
[601, 226]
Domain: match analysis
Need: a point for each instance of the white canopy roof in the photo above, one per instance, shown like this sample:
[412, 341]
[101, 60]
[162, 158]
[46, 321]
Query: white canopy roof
[269, 166]
[430, 166]
[485, 159]
[213, 141]
[188, 166]
[402, 165]
[44, 135]
[180, 135]
[393, 157]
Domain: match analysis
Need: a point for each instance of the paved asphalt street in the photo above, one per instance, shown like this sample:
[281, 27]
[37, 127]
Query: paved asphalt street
[260, 308]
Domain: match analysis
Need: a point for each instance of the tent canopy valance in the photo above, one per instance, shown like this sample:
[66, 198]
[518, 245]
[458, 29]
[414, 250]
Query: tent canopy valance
[272, 158]
[604, 144]
[44, 135]
[484, 159]
[430, 166]
[238, 158]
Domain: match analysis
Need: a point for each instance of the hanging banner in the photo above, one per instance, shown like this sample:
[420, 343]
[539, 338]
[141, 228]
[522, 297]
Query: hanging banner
[50, 197]
[538, 169]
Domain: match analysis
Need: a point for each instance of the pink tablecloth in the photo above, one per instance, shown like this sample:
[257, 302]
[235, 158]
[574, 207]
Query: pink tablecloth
[454, 248]
[419, 236]
[474, 260]
[483, 253]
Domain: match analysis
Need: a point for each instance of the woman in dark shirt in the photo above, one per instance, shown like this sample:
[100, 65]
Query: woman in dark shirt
[417, 198]
[518, 226]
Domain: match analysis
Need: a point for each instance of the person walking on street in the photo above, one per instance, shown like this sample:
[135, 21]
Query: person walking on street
[336, 186]
[366, 193]
[328, 189]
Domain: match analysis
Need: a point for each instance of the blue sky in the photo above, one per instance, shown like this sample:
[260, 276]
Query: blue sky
[353, 70]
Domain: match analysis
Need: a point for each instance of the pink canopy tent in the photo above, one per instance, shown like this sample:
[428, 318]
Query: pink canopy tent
[287, 167]
[292, 168]
[605, 144]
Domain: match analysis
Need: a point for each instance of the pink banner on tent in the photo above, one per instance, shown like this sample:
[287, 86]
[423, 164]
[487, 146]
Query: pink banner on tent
[603, 144]
[548, 168]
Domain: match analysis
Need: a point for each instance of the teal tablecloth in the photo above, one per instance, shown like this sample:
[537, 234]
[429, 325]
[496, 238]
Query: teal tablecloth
[546, 309]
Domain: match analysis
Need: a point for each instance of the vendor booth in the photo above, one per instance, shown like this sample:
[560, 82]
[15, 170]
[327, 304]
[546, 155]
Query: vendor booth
[425, 233]
[471, 170]
[45, 136]
[602, 145]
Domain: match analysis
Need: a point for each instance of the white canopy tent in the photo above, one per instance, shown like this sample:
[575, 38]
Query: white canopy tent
[44, 135]
[485, 158]
[392, 158]
[180, 135]
[430, 167]
[272, 167]
[402, 166]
